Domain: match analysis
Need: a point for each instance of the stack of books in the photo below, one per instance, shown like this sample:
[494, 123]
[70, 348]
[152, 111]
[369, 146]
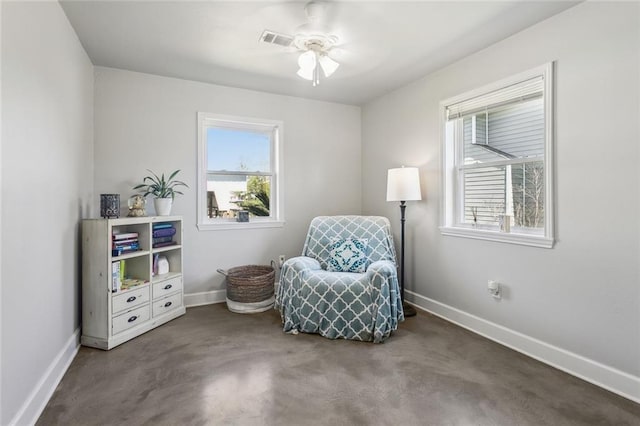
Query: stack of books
[124, 243]
[163, 234]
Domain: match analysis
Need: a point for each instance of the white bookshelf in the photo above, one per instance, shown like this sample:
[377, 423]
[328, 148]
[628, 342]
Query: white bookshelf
[112, 316]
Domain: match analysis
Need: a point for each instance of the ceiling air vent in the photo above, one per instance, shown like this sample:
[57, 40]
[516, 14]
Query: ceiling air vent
[271, 37]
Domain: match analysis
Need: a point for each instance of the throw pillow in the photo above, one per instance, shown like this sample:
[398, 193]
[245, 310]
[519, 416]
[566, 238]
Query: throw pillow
[348, 255]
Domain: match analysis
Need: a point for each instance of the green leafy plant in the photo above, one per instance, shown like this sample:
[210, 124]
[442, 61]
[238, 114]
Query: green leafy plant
[256, 199]
[160, 187]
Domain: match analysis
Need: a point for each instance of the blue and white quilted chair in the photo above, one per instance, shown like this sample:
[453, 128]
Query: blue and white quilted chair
[345, 284]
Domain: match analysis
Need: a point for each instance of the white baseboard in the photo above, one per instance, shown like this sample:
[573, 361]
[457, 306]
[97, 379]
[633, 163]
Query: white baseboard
[205, 298]
[601, 375]
[39, 397]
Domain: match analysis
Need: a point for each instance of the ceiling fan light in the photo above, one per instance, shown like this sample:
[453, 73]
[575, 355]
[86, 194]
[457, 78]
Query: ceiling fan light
[307, 60]
[329, 66]
[307, 74]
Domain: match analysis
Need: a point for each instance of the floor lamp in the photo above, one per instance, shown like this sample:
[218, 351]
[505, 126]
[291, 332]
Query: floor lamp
[403, 184]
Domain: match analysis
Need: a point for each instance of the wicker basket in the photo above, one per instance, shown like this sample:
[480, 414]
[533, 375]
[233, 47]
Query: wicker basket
[250, 288]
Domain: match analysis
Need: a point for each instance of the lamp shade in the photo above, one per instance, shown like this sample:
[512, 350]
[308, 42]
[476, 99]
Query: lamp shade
[403, 184]
[307, 60]
[307, 74]
[329, 66]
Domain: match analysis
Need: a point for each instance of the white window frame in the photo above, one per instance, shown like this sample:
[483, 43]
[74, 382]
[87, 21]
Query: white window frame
[276, 207]
[450, 157]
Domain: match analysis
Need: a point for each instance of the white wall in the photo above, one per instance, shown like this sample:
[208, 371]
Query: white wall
[144, 121]
[47, 182]
[582, 296]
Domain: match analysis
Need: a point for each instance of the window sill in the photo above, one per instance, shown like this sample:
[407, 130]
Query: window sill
[227, 225]
[501, 237]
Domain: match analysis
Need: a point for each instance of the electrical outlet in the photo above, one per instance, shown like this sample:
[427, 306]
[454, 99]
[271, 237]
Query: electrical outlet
[493, 287]
[281, 260]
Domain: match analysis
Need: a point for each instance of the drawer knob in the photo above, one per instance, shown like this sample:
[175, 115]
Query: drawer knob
[166, 305]
[133, 318]
[131, 299]
[168, 286]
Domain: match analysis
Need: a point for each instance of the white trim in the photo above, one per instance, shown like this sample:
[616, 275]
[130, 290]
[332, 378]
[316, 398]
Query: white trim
[503, 237]
[276, 129]
[451, 186]
[609, 378]
[205, 298]
[252, 224]
[37, 400]
[1, 196]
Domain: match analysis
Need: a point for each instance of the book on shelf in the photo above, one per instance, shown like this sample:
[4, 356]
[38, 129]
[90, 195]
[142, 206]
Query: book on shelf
[116, 283]
[129, 283]
[165, 232]
[125, 236]
[165, 244]
[154, 268]
[162, 225]
[120, 243]
[162, 240]
[118, 251]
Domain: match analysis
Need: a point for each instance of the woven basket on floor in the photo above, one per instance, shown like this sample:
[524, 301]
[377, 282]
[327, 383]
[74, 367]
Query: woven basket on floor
[248, 286]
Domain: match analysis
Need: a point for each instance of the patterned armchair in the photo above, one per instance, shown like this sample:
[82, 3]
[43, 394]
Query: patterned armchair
[363, 305]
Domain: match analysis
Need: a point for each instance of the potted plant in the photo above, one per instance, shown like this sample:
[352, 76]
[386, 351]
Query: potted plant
[164, 190]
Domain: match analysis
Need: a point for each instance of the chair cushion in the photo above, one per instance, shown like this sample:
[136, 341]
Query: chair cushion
[348, 255]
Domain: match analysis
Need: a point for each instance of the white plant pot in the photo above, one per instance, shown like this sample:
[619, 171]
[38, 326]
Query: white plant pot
[163, 206]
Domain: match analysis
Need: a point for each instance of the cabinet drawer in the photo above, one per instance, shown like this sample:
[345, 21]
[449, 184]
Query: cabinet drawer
[130, 319]
[165, 305]
[130, 299]
[166, 287]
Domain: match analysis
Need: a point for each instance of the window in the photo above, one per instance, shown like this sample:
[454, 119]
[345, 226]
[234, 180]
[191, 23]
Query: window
[497, 161]
[239, 172]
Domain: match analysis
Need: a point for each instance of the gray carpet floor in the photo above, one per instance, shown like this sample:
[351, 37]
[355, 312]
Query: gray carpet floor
[214, 367]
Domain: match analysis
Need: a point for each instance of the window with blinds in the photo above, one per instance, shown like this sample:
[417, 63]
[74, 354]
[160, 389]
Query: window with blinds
[497, 156]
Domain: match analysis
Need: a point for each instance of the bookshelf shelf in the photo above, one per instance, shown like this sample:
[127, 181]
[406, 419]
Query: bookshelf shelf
[164, 277]
[129, 290]
[166, 248]
[111, 313]
[131, 255]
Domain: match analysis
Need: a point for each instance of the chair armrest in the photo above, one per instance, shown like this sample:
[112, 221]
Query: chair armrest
[382, 267]
[301, 263]
[290, 279]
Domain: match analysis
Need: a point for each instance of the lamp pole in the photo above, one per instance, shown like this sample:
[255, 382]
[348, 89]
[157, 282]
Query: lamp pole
[409, 311]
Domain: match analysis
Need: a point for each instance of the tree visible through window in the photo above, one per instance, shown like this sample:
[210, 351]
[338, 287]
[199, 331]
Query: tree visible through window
[497, 150]
[239, 169]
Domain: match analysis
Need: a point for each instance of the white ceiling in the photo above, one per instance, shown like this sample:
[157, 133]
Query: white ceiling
[383, 44]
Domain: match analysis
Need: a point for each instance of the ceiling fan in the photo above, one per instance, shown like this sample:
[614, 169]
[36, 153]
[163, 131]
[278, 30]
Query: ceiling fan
[312, 40]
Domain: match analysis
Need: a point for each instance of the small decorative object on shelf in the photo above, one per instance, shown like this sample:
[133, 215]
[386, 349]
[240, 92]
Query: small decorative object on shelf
[504, 221]
[243, 216]
[109, 206]
[163, 189]
[162, 266]
[137, 205]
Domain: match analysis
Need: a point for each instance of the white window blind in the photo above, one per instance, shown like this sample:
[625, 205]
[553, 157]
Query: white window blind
[515, 93]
